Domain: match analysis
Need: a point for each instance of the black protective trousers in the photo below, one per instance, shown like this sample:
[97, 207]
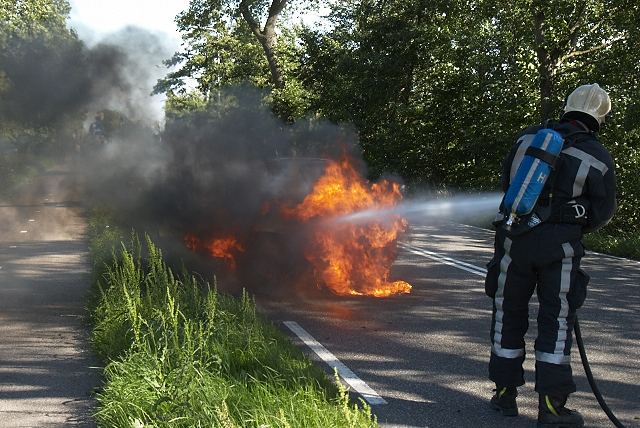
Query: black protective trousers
[546, 259]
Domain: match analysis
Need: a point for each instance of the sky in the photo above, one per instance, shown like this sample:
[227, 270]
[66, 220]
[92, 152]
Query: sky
[95, 18]
[105, 21]
[99, 21]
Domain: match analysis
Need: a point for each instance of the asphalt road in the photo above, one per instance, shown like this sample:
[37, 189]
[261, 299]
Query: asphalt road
[425, 353]
[46, 369]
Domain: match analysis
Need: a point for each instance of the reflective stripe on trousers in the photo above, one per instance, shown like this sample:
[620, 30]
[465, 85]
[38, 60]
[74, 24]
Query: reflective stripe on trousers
[557, 357]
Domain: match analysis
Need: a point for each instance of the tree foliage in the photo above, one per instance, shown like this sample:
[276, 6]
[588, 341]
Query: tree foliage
[437, 90]
[411, 76]
[29, 18]
[217, 56]
[42, 72]
[237, 41]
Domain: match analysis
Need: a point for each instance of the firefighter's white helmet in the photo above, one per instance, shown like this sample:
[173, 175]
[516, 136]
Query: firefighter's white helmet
[592, 100]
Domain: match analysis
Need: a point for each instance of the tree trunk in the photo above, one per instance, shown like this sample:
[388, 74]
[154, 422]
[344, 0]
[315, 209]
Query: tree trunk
[549, 57]
[546, 66]
[267, 37]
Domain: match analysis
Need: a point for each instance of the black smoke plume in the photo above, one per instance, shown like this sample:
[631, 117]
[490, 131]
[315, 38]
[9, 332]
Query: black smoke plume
[55, 82]
[221, 173]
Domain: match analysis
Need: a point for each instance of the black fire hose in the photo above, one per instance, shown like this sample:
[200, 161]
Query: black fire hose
[592, 382]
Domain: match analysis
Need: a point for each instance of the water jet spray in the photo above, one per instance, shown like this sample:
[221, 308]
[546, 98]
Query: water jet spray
[455, 208]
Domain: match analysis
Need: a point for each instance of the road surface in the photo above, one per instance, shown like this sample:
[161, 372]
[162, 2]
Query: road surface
[47, 374]
[425, 353]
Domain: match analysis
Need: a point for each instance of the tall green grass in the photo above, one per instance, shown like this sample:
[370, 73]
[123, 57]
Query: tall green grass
[608, 240]
[616, 243]
[180, 354]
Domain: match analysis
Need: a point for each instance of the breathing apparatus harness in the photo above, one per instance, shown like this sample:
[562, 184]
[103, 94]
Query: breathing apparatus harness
[521, 208]
[523, 211]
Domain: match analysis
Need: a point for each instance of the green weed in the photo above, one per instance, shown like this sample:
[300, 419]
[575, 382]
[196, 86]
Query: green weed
[618, 243]
[180, 354]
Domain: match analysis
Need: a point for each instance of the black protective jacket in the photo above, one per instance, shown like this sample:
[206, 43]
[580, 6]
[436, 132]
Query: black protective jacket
[585, 179]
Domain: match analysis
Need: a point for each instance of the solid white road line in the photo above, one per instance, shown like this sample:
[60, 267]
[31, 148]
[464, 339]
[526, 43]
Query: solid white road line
[446, 260]
[369, 395]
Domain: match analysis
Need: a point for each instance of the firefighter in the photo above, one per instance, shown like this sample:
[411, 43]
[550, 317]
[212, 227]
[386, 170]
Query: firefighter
[545, 254]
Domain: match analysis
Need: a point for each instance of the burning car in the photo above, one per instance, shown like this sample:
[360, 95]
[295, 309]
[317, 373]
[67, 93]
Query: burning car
[304, 236]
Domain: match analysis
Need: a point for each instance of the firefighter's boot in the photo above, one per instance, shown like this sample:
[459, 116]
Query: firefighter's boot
[505, 401]
[553, 414]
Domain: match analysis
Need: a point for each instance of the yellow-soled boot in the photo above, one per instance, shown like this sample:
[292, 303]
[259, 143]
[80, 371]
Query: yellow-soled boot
[553, 414]
[505, 401]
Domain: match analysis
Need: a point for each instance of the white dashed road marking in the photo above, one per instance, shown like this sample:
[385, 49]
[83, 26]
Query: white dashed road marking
[446, 260]
[369, 395]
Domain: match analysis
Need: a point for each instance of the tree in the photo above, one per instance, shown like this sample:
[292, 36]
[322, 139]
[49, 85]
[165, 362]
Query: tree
[410, 76]
[233, 41]
[267, 35]
[217, 56]
[585, 42]
[42, 72]
[569, 37]
[439, 89]
[29, 18]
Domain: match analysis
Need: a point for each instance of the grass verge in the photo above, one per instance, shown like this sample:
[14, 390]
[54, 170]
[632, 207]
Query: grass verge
[178, 353]
[610, 241]
[621, 245]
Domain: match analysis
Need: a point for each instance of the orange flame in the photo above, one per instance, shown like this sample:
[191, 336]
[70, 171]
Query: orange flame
[352, 259]
[219, 247]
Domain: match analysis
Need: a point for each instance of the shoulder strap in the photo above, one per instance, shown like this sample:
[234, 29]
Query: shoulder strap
[540, 214]
[575, 136]
[569, 140]
[572, 137]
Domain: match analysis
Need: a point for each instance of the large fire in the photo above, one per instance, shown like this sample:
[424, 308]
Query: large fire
[350, 258]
